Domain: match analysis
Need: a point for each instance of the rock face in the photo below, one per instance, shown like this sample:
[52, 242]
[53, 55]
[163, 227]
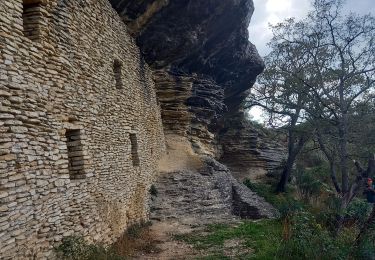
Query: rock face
[191, 107]
[204, 37]
[208, 195]
[205, 63]
[204, 66]
[249, 152]
[80, 120]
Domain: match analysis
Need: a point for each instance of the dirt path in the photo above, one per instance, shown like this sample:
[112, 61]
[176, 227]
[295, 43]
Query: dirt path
[163, 232]
[191, 192]
[168, 248]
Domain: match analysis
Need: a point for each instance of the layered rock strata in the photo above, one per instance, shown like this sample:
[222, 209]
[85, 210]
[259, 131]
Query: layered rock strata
[205, 196]
[203, 58]
[248, 151]
[205, 66]
[190, 107]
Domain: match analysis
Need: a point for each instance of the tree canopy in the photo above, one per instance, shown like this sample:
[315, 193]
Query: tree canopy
[320, 74]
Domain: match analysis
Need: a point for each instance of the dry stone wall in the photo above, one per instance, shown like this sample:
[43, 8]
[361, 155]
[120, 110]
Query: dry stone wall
[80, 129]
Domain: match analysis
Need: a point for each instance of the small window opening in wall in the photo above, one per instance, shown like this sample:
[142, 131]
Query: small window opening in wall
[117, 69]
[75, 153]
[32, 19]
[134, 149]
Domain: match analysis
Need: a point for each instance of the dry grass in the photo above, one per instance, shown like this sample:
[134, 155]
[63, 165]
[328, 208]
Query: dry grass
[137, 240]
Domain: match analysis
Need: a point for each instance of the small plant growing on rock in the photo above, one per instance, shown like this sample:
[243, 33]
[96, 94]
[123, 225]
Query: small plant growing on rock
[136, 239]
[76, 248]
[135, 231]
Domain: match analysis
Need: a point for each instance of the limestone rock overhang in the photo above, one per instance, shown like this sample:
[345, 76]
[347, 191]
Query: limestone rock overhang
[209, 38]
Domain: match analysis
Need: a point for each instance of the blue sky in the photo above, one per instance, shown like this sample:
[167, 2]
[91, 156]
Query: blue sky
[274, 11]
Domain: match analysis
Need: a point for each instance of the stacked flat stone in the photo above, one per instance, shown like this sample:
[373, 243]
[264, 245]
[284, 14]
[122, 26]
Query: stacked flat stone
[57, 83]
[80, 125]
[206, 196]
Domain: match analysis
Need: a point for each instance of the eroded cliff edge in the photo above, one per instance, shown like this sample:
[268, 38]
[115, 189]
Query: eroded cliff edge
[204, 65]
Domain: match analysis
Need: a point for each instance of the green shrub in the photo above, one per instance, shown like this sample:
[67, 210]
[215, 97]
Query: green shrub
[309, 240]
[249, 184]
[328, 213]
[75, 248]
[267, 191]
[358, 211]
[366, 250]
[309, 185]
[309, 229]
[135, 239]
[284, 202]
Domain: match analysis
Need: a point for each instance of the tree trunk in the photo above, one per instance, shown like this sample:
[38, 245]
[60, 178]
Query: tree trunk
[352, 191]
[333, 177]
[281, 186]
[293, 151]
[371, 167]
[331, 160]
[343, 141]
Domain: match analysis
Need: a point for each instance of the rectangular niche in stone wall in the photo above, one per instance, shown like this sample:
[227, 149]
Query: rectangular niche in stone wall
[117, 70]
[32, 19]
[75, 153]
[134, 149]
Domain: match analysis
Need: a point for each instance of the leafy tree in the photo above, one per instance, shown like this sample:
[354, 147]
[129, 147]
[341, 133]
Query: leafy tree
[342, 74]
[283, 95]
[319, 71]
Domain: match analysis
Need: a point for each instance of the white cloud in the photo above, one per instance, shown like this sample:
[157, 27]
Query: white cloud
[277, 6]
[272, 12]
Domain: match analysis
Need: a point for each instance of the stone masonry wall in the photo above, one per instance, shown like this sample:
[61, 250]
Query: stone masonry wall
[80, 129]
